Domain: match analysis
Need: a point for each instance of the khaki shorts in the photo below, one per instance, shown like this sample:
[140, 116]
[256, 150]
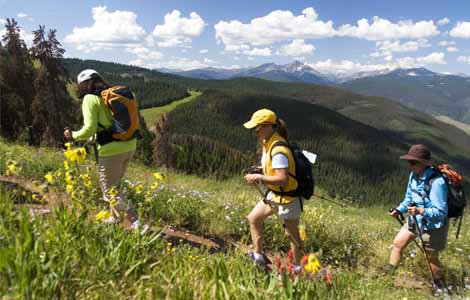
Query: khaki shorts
[434, 240]
[289, 211]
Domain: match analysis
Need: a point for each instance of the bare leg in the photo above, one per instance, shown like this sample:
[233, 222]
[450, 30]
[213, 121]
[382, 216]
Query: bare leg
[402, 239]
[436, 266]
[291, 229]
[256, 219]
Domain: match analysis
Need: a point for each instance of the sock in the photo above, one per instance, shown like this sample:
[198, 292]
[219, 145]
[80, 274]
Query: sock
[259, 257]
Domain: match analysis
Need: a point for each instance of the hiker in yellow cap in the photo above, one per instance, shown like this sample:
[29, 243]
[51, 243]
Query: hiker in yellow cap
[277, 164]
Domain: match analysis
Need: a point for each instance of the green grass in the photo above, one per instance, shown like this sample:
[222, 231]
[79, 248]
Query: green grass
[152, 115]
[69, 255]
[465, 127]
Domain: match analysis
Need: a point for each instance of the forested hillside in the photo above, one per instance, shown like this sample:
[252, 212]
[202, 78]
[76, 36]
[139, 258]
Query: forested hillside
[150, 90]
[355, 160]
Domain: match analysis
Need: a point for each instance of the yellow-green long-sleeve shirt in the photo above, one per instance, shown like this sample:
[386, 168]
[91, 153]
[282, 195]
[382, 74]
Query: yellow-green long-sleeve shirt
[94, 113]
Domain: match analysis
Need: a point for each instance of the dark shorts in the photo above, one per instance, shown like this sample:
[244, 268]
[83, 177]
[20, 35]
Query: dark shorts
[435, 240]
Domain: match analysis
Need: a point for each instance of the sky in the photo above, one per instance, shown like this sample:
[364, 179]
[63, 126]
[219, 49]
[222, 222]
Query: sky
[330, 36]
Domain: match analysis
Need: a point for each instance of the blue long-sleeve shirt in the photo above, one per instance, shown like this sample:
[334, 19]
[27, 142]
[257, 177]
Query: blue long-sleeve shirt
[435, 205]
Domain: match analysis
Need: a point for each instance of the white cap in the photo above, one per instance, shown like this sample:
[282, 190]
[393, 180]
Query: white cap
[86, 75]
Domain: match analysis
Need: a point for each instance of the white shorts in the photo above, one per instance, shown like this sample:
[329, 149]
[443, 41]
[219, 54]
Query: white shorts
[288, 211]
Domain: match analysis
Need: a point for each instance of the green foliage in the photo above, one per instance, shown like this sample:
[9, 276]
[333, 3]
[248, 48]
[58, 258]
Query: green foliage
[68, 255]
[355, 160]
[150, 90]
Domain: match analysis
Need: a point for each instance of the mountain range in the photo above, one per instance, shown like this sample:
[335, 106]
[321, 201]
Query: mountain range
[419, 88]
[294, 72]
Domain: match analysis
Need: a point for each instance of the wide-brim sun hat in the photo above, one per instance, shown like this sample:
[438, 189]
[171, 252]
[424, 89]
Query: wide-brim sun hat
[261, 117]
[419, 153]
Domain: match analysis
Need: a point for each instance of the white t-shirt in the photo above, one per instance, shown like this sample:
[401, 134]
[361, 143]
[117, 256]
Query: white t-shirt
[279, 161]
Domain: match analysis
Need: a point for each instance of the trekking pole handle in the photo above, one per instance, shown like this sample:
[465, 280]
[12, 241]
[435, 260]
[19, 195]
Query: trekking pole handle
[400, 216]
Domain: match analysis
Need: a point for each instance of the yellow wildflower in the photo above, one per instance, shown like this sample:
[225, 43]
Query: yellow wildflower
[49, 177]
[104, 214]
[313, 264]
[68, 146]
[80, 154]
[12, 168]
[139, 188]
[69, 178]
[66, 165]
[69, 188]
[34, 197]
[160, 177]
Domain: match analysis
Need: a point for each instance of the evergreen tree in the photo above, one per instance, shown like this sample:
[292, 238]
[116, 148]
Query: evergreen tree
[52, 107]
[16, 76]
[144, 151]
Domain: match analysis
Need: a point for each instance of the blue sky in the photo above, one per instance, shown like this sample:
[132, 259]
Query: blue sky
[331, 36]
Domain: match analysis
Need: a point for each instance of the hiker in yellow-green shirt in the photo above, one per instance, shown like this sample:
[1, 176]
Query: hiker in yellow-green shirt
[277, 164]
[113, 155]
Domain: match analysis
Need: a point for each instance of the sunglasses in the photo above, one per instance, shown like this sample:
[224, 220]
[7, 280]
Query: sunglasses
[413, 162]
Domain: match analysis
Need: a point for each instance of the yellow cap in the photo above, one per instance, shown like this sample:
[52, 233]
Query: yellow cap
[262, 116]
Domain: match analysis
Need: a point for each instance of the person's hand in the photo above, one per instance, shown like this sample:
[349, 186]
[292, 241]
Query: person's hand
[394, 213]
[253, 178]
[413, 210]
[68, 134]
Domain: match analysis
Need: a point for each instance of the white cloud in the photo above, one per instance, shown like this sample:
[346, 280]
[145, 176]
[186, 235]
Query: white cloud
[2, 21]
[203, 51]
[22, 15]
[176, 63]
[258, 52]
[397, 46]
[110, 29]
[443, 21]
[279, 25]
[461, 30]
[464, 59]
[446, 43]
[344, 68]
[177, 30]
[297, 48]
[145, 53]
[452, 49]
[383, 29]
[413, 62]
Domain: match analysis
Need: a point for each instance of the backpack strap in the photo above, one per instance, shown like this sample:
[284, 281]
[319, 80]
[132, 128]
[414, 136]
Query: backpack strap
[282, 144]
[428, 184]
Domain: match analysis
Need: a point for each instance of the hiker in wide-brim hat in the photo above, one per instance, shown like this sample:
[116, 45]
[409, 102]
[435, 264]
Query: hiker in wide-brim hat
[277, 163]
[427, 213]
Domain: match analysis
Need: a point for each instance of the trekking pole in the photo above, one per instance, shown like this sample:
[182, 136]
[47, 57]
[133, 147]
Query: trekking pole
[422, 243]
[401, 219]
[330, 200]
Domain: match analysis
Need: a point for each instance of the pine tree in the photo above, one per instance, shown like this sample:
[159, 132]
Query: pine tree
[16, 76]
[52, 107]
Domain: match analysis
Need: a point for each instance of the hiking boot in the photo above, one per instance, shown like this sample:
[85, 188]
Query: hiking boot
[388, 270]
[136, 226]
[257, 258]
[440, 289]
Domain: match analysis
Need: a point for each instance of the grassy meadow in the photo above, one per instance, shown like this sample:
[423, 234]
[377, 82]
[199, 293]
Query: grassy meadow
[69, 254]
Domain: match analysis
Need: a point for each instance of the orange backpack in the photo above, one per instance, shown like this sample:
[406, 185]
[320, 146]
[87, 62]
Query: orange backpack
[124, 108]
